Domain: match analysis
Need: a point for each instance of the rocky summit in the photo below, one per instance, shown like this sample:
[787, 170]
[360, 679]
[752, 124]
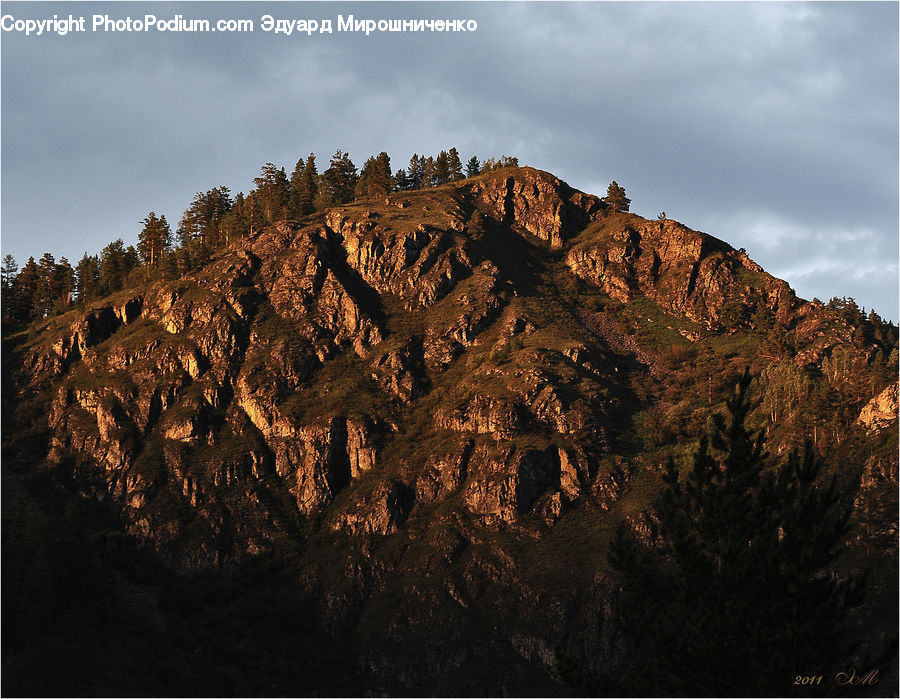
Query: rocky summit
[383, 449]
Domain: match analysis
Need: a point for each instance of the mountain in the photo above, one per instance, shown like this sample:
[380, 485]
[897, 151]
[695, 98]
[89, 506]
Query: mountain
[384, 448]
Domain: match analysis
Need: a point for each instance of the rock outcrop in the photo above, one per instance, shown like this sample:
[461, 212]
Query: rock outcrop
[542, 205]
[881, 411]
[683, 271]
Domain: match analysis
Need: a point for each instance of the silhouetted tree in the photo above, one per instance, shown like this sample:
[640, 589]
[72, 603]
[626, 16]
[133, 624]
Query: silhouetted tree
[416, 172]
[454, 165]
[56, 281]
[24, 290]
[428, 173]
[304, 184]
[8, 273]
[63, 285]
[43, 295]
[736, 594]
[473, 167]
[87, 278]
[116, 261]
[296, 179]
[402, 180]
[441, 169]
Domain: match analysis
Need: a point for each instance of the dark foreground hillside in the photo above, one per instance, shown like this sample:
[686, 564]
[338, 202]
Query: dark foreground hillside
[384, 449]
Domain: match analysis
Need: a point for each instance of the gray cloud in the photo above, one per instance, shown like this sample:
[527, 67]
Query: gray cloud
[771, 125]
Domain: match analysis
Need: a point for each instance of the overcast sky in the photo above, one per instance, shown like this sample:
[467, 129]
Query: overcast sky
[773, 126]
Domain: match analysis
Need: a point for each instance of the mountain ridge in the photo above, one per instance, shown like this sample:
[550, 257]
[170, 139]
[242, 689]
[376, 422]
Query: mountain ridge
[443, 384]
[327, 283]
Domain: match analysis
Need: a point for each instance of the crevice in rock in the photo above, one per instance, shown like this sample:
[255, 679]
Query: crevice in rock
[464, 460]
[509, 215]
[352, 281]
[692, 279]
[338, 459]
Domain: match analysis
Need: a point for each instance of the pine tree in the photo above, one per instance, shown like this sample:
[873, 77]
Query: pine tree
[616, 199]
[8, 276]
[116, 261]
[785, 390]
[324, 196]
[339, 180]
[234, 224]
[737, 594]
[296, 186]
[366, 174]
[63, 284]
[416, 172]
[384, 181]
[184, 261]
[304, 182]
[454, 165]
[428, 174]
[496, 163]
[402, 180]
[54, 287]
[309, 186]
[441, 168]
[8, 273]
[43, 296]
[272, 193]
[24, 290]
[87, 278]
[375, 178]
[254, 213]
[154, 239]
[202, 221]
[473, 167]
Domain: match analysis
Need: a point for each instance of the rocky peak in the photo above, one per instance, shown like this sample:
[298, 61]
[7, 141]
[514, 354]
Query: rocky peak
[350, 358]
[538, 203]
[436, 407]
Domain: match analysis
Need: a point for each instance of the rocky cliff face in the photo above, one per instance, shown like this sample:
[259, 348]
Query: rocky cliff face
[683, 271]
[438, 370]
[880, 412]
